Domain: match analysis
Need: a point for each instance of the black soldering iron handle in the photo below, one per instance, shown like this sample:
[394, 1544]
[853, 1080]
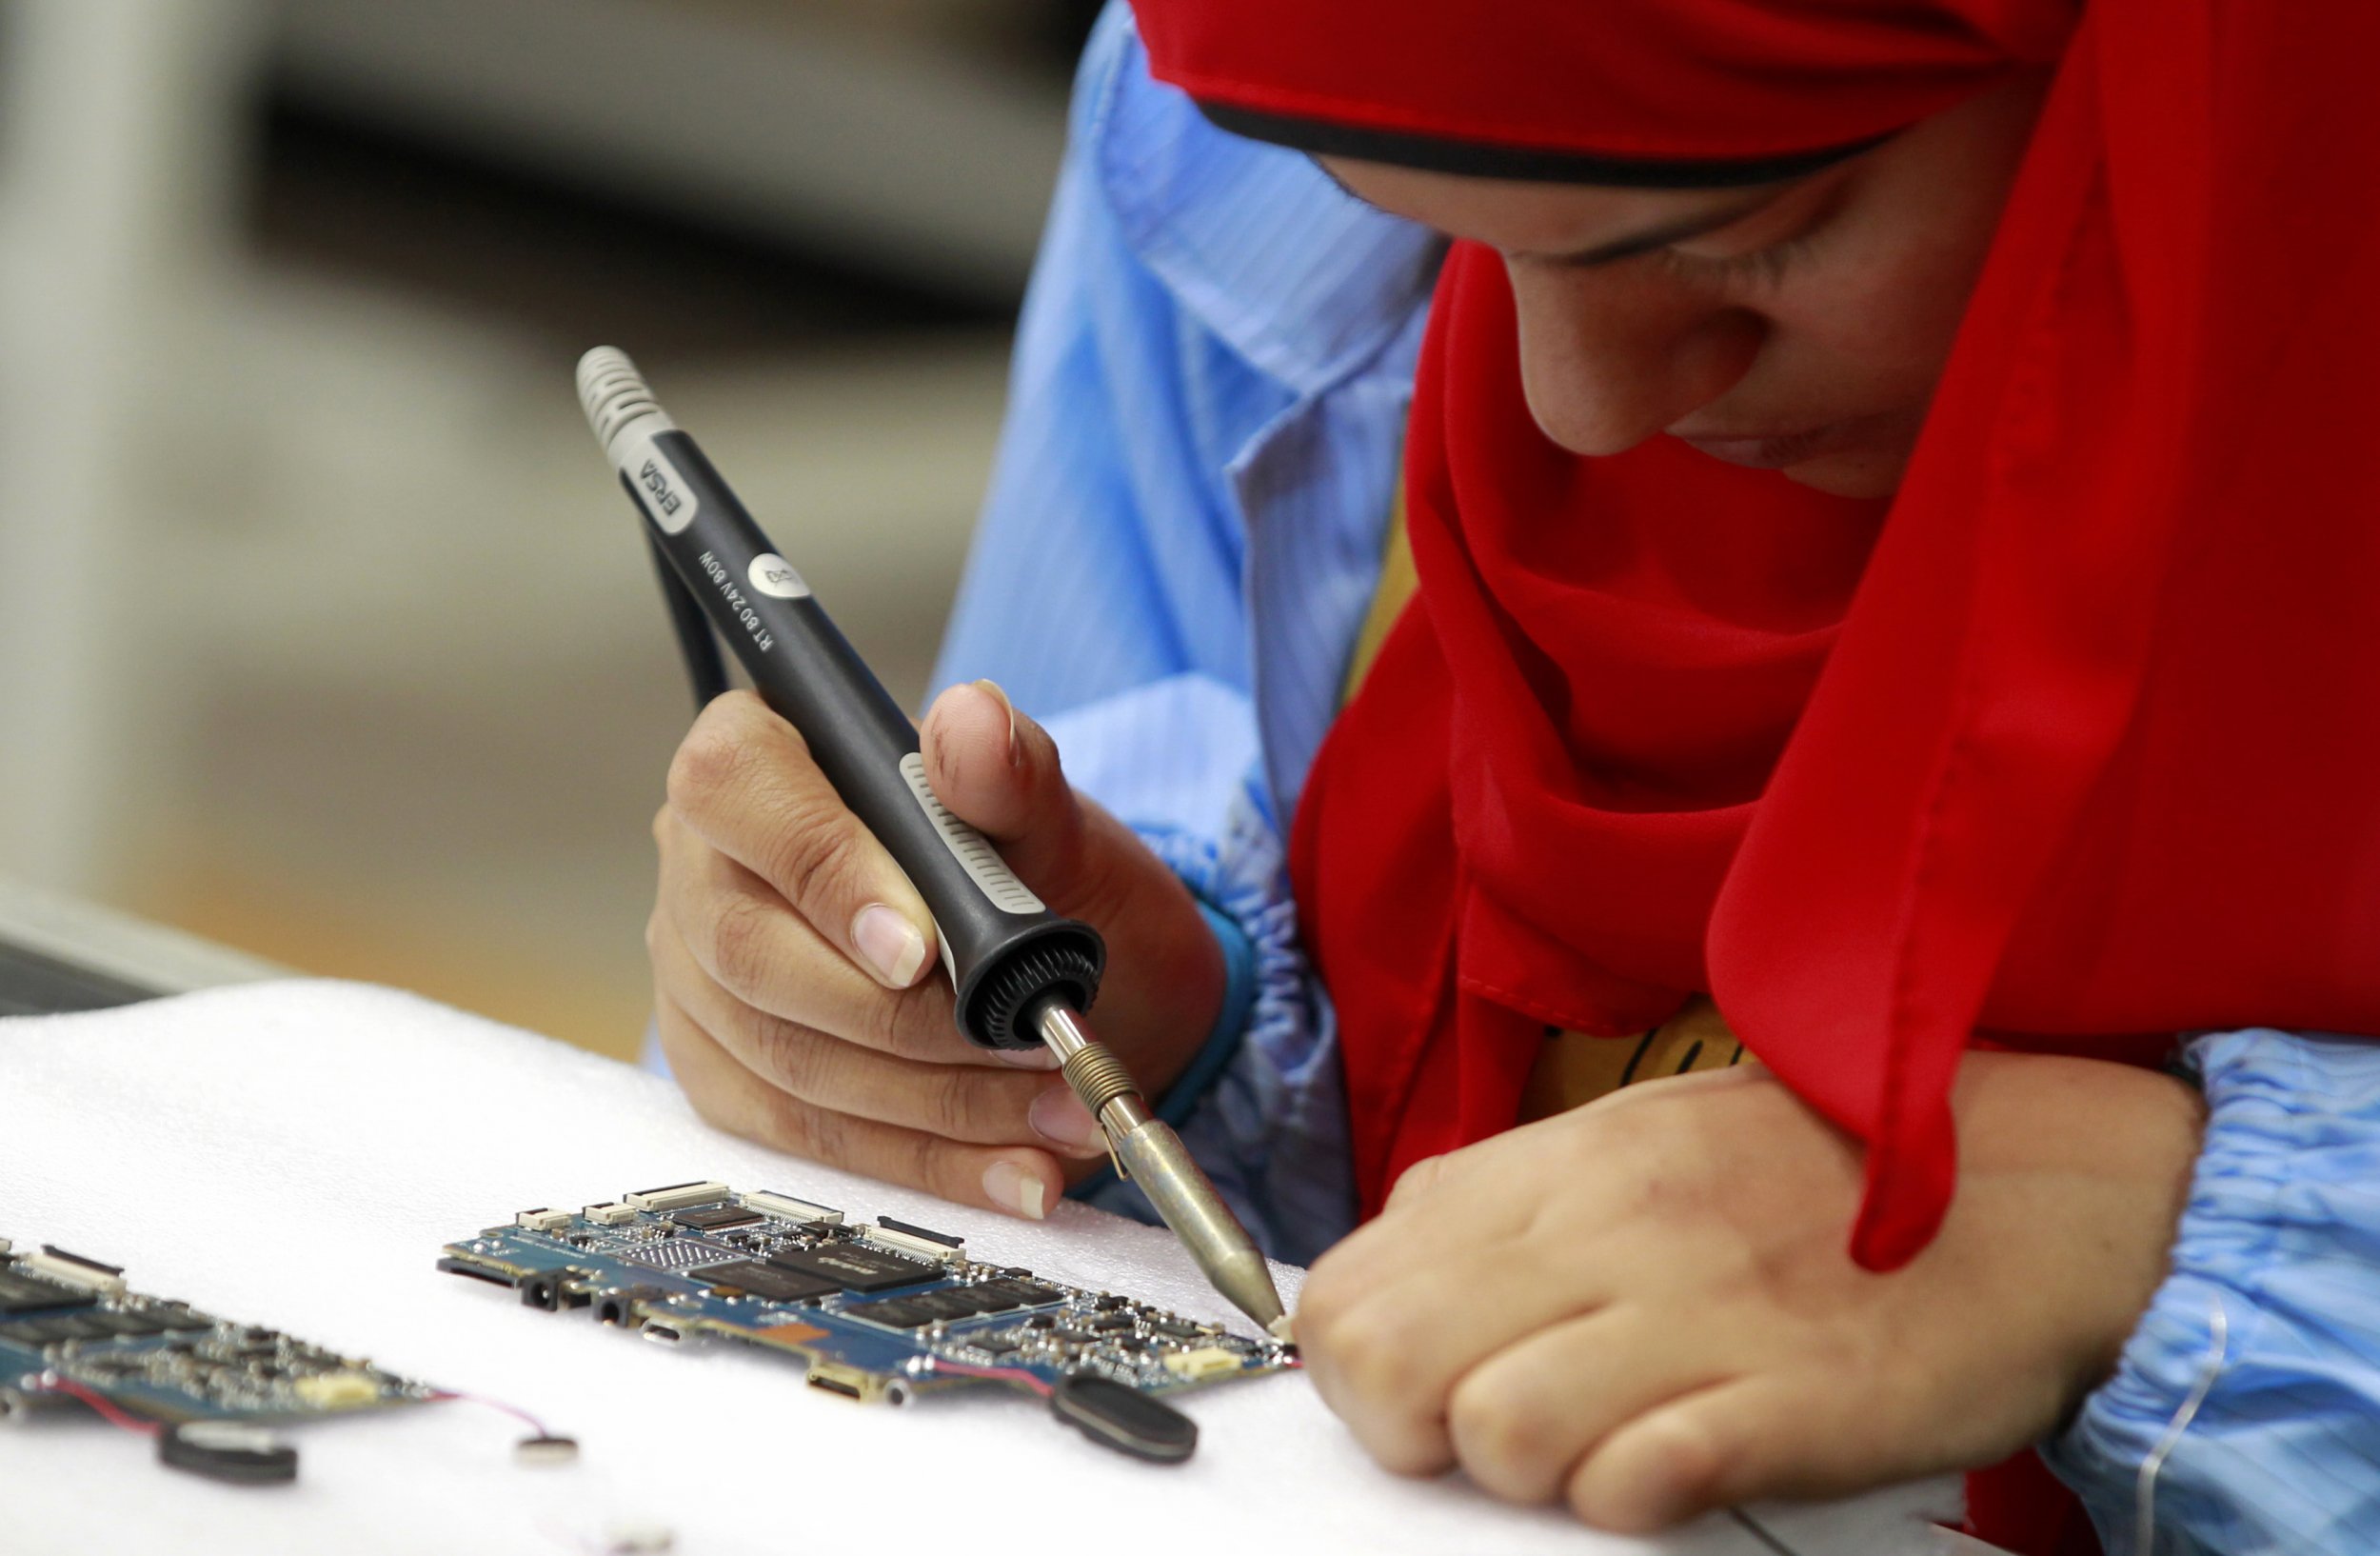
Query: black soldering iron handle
[1003, 948]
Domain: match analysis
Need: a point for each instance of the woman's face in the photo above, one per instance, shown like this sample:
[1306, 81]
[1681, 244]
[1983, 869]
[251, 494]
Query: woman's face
[1796, 326]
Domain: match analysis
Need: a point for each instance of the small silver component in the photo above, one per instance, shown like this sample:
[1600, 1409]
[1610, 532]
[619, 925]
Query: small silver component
[675, 1196]
[790, 1207]
[915, 1247]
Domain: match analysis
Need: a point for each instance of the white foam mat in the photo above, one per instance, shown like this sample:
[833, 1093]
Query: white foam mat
[295, 1154]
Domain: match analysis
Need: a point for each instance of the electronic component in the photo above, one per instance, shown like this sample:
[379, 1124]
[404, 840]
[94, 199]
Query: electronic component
[228, 1450]
[909, 1242]
[72, 1269]
[675, 1196]
[911, 1228]
[1124, 1419]
[789, 1208]
[543, 1219]
[22, 1292]
[769, 1281]
[852, 1268]
[1203, 1363]
[610, 1213]
[718, 1219]
[682, 1253]
[871, 1320]
[546, 1448]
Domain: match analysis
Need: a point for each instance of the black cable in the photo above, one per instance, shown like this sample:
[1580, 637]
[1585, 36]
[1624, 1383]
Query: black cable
[696, 644]
[1760, 1534]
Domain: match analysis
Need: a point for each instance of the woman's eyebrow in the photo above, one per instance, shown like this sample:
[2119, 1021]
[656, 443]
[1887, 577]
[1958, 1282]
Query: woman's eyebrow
[1617, 249]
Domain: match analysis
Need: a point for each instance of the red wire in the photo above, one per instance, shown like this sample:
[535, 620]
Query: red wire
[105, 1407]
[513, 1410]
[1004, 1374]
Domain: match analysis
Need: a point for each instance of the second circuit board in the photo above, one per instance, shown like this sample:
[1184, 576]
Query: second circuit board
[876, 1312]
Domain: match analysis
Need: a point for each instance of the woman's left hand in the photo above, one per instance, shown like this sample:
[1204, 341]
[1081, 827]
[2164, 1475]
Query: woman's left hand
[1645, 1306]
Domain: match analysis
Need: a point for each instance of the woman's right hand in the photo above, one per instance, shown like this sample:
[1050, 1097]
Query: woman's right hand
[794, 965]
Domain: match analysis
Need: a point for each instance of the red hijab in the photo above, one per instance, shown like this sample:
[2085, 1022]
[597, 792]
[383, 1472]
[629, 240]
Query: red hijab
[2080, 736]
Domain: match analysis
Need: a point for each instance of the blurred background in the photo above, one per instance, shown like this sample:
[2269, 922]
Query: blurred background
[324, 632]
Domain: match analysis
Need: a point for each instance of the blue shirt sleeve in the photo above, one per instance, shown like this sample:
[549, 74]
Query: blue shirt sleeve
[1108, 588]
[2249, 1392]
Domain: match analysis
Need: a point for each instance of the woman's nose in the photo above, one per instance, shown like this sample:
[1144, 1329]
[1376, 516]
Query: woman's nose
[1610, 357]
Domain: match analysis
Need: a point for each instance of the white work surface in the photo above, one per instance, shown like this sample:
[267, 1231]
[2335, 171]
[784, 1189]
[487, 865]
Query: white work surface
[295, 1154]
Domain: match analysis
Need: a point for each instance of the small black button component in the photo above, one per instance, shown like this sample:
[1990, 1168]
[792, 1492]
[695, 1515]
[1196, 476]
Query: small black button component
[228, 1450]
[1124, 1419]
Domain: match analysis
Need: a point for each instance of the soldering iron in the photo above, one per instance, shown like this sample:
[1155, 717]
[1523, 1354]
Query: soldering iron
[1021, 974]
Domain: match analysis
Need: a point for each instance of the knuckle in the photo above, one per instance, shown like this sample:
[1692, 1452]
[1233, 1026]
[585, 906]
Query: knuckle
[1370, 1347]
[924, 1157]
[881, 1026]
[820, 1136]
[953, 1102]
[1499, 1433]
[1672, 1463]
[708, 761]
[791, 1056]
[741, 935]
[816, 853]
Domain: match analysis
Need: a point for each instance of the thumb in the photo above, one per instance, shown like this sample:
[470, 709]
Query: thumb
[999, 773]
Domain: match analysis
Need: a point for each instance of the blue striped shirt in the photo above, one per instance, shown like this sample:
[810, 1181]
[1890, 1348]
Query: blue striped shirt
[1183, 533]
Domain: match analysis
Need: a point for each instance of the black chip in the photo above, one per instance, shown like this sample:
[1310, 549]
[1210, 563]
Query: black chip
[1174, 1330]
[1017, 1272]
[893, 1312]
[764, 1281]
[854, 1268]
[76, 1327]
[1040, 1321]
[128, 1322]
[21, 1292]
[825, 1229]
[718, 1219]
[1124, 1419]
[1106, 1324]
[995, 1297]
[35, 1332]
[943, 1238]
[1109, 1304]
[996, 1347]
[959, 1302]
[1034, 1295]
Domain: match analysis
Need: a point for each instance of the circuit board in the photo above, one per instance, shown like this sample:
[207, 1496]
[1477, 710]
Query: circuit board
[876, 1312]
[71, 1329]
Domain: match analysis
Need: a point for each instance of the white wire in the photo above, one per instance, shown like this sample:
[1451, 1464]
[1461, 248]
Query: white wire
[2145, 1491]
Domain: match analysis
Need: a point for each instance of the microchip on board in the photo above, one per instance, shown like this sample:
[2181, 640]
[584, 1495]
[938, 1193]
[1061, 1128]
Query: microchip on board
[854, 1268]
[767, 1281]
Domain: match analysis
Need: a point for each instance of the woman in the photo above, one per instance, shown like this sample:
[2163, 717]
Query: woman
[1894, 655]
[1450, 1305]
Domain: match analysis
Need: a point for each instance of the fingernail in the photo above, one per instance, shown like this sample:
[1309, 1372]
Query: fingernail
[1058, 1115]
[1011, 1188]
[1026, 1058]
[890, 944]
[992, 688]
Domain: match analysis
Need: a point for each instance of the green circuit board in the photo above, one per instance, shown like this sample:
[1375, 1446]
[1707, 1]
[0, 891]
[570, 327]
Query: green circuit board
[876, 1312]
